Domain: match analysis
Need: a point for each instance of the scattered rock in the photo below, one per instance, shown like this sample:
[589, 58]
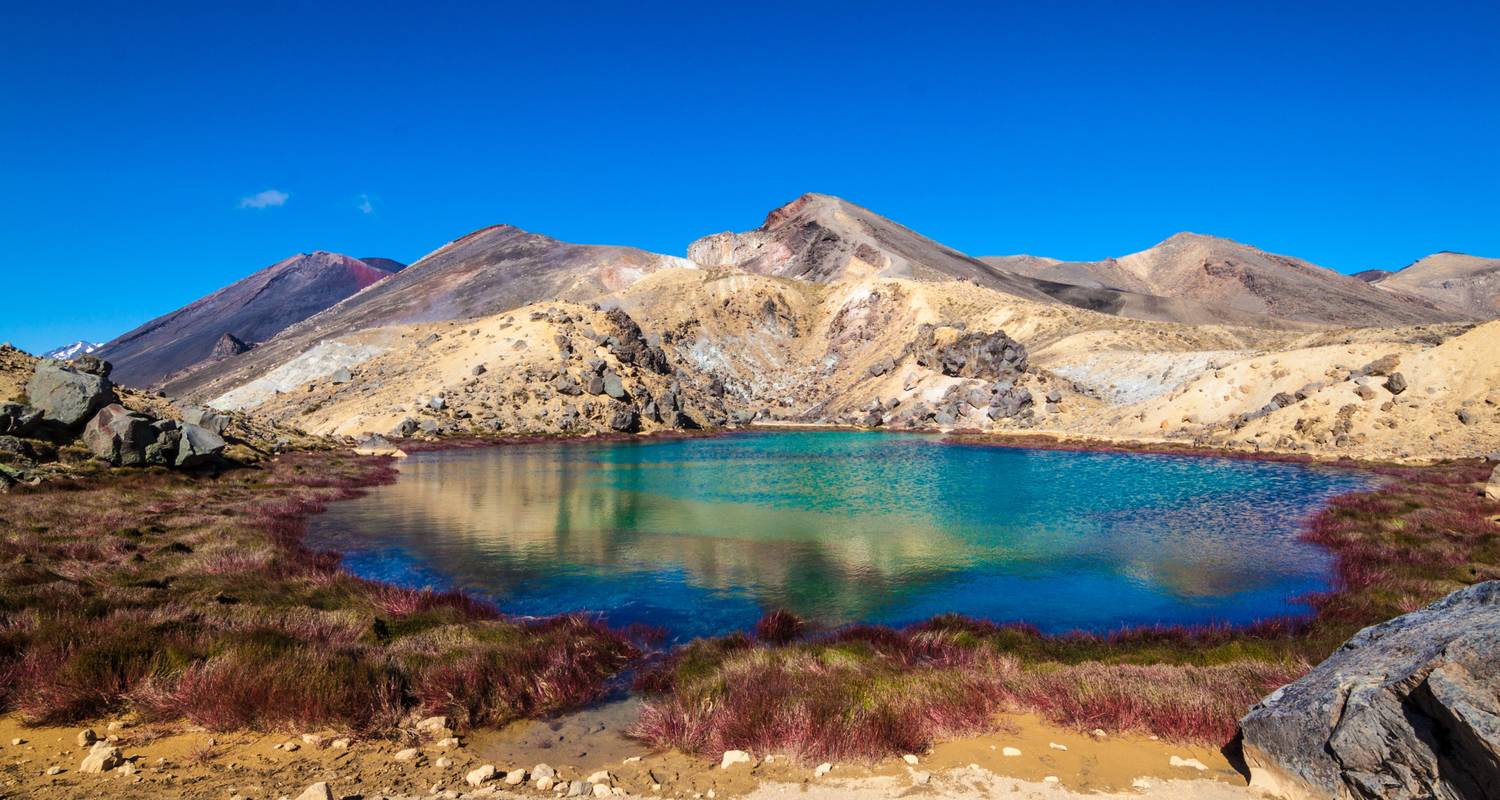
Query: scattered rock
[732, 757]
[1365, 392]
[119, 436]
[910, 759]
[515, 777]
[198, 447]
[1406, 708]
[316, 791]
[206, 418]
[1492, 489]
[435, 727]
[102, 757]
[921, 778]
[882, 366]
[1467, 417]
[479, 369]
[1056, 746]
[822, 769]
[1396, 383]
[66, 395]
[87, 737]
[968, 354]
[1009, 752]
[480, 776]
[409, 754]
[340, 376]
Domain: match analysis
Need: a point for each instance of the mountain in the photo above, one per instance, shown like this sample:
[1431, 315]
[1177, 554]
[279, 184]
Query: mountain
[1468, 283]
[1216, 272]
[823, 239]
[491, 270]
[250, 311]
[71, 351]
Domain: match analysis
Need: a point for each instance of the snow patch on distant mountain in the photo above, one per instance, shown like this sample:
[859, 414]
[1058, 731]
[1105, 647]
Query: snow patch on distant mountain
[70, 351]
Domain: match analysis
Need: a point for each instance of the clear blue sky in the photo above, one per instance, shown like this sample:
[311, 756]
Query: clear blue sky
[135, 138]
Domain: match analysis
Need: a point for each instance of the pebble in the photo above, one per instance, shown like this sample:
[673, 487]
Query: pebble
[409, 754]
[1010, 752]
[632, 759]
[478, 777]
[732, 757]
[1098, 733]
[823, 769]
[291, 747]
[54, 770]
[1056, 746]
[910, 759]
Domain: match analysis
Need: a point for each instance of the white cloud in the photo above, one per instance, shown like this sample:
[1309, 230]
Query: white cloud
[364, 205]
[267, 199]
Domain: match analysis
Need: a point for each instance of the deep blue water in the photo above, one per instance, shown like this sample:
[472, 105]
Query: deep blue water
[702, 536]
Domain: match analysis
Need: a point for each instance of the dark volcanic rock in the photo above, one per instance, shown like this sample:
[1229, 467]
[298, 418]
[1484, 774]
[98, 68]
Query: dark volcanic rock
[228, 345]
[630, 345]
[120, 436]
[1409, 708]
[66, 395]
[1396, 383]
[625, 419]
[968, 354]
[199, 446]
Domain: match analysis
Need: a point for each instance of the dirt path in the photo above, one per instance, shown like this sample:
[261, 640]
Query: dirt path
[1024, 759]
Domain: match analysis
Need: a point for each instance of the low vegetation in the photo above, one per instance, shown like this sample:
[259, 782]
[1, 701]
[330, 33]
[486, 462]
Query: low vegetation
[194, 598]
[870, 691]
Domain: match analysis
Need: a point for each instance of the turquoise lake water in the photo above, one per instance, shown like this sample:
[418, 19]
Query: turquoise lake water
[702, 536]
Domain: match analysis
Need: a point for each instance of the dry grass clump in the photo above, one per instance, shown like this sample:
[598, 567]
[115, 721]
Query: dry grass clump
[192, 598]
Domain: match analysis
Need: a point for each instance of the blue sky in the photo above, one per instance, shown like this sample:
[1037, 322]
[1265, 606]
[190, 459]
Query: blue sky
[150, 153]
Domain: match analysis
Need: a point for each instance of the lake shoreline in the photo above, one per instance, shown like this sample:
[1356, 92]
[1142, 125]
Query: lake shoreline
[1116, 660]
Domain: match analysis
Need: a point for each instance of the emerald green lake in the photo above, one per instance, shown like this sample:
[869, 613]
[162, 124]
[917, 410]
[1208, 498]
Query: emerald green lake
[702, 536]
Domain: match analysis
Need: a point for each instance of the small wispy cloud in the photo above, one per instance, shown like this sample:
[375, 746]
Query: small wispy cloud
[364, 205]
[270, 198]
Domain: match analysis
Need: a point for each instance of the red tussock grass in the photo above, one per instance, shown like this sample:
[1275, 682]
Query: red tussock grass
[865, 692]
[193, 597]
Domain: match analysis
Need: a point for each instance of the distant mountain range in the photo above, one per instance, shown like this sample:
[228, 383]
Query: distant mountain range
[249, 311]
[253, 325]
[74, 350]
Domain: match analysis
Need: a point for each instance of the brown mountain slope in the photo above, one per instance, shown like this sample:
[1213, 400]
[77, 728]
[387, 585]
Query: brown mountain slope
[252, 309]
[820, 238]
[1468, 283]
[1215, 272]
[485, 272]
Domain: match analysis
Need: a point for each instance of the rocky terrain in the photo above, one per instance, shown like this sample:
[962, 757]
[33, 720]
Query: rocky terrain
[1409, 708]
[831, 314]
[248, 311]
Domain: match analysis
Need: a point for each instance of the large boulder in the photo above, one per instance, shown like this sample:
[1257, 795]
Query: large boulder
[69, 396]
[1409, 708]
[205, 418]
[199, 446]
[120, 436]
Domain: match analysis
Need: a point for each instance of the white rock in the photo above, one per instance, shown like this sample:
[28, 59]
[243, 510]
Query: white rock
[291, 747]
[1010, 752]
[448, 742]
[480, 776]
[443, 762]
[102, 757]
[632, 759]
[18, 742]
[600, 790]
[126, 769]
[54, 770]
[1050, 779]
[433, 726]
[1056, 746]
[317, 791]
[87, 737]
[823, 769]
[1098, 733]
[340, 744]
[920, 777]
[602, 776]
[732, 757]
[545, 784]
[515, 777]
[409, 754]
[1191, 763]
[543, 771]
[910, 759]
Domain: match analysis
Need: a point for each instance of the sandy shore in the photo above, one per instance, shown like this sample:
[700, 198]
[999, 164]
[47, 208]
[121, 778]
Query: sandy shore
[1023, 758]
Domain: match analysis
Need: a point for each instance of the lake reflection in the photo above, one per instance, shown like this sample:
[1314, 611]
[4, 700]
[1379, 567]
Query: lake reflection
[702, 535]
